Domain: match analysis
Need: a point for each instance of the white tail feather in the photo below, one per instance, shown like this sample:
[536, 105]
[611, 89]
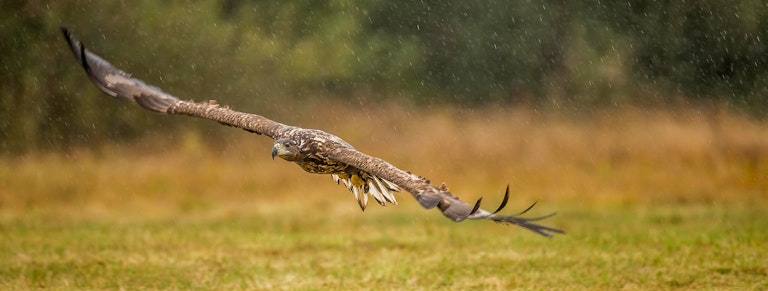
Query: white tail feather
[380, 189]
[373, 189]
[385, 187]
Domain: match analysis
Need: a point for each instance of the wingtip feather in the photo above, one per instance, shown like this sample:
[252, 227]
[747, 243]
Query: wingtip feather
[476, 207]
[527, 223]
[504, 201]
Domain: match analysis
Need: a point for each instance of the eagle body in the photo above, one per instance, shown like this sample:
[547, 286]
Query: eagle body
[315, 151]
[310, 148]
[307, 148]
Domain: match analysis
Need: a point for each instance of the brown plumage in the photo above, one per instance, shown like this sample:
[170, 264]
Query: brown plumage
[313, 150]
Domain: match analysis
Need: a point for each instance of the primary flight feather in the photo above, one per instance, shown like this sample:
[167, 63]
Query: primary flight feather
[313, 150]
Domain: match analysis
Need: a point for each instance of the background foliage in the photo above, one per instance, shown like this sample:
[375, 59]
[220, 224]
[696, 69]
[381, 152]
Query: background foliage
[254, 55]
[628, 118]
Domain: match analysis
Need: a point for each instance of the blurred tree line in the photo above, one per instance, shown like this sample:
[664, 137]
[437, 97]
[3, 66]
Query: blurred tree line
[257, 54]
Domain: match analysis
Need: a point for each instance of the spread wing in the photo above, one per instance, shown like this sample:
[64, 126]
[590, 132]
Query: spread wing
[430, 196]
[120, 84]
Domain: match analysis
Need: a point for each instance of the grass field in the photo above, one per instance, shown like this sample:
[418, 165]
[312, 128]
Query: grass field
[650, 200]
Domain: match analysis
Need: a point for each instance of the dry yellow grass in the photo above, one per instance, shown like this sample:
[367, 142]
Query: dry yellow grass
[627, 155]
[640, 192]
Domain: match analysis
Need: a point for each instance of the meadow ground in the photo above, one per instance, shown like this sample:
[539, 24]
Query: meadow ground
[650, 200]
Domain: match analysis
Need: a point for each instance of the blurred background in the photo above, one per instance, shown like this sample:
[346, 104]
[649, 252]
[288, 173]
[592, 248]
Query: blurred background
[622, 100]
[550, 56]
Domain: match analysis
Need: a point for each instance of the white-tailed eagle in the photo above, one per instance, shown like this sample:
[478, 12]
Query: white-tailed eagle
[313, 150]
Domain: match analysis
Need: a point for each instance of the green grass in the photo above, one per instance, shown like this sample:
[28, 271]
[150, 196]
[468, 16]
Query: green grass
[690, 246]
[649, 201]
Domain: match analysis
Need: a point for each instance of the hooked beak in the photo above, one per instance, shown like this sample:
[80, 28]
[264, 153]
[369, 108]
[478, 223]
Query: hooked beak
[274, 152]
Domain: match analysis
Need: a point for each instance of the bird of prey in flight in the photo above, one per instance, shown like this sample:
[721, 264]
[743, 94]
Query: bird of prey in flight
[313, 150]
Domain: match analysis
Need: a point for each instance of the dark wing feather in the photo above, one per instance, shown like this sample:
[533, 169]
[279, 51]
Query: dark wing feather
[120, 84]
[430, 196]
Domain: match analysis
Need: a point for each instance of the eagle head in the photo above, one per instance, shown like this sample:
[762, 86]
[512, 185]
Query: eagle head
[286, 149]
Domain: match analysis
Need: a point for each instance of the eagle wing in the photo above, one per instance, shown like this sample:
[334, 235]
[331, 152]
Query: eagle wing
[120, 84]
[430, 196]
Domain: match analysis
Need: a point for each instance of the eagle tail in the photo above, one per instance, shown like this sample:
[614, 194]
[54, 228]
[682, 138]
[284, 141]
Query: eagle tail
[362, 185]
